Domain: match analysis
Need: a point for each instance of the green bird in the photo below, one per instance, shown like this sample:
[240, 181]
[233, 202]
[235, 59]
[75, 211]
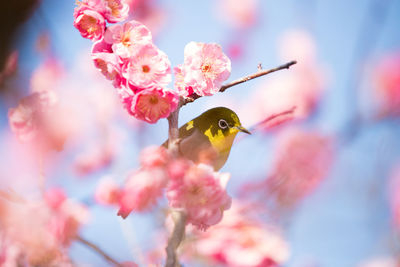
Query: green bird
[208, 138]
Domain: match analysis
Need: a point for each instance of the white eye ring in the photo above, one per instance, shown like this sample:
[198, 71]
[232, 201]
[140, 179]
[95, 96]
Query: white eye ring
[222, 124]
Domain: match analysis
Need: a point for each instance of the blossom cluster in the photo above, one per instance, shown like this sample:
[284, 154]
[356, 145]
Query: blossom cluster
[239, 240]
[140, 71]
[195, 189]
[38, 232]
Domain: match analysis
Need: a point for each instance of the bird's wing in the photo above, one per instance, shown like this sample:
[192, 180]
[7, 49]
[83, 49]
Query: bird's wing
[194, 145]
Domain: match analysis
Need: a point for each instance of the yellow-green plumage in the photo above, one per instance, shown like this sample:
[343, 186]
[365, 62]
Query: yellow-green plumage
[208, 138]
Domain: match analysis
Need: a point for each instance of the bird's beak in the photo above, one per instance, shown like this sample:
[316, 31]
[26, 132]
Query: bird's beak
[242, 129]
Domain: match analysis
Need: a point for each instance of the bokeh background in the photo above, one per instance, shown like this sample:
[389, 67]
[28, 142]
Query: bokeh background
[344, 86]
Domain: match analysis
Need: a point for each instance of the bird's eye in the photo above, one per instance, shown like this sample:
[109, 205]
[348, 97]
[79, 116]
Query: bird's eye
[222, 124]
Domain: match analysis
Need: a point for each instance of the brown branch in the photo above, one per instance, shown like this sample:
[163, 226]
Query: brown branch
[242, 80]
[179, 217]
[98, 250]
[178, 233]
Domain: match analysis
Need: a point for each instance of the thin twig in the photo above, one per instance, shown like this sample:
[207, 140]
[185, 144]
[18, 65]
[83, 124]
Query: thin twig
[176, 238]
[281, 115]
[242, 80]
[98, 250]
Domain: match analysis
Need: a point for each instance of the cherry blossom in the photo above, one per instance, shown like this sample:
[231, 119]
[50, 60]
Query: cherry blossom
[147, 67]
[205, 68]
[387, 84]
[183, 89]
[41, 232]
[302, 161]
[25, 118]
[46, 77]
[126, 38]
[108, 63]
[116, 10]
[154, 156]
[238, 13]
[90, 23]
[240, 241]
[201, 193]
[142, 190]
[107, 192]
[153, 104]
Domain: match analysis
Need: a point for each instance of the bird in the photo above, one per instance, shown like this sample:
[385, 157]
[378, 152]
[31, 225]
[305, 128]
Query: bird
[208, 138]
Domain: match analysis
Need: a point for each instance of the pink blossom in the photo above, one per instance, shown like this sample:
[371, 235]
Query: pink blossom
[107, 192]
[183, 89]
[46, 77]
[55, 197]
[238, 13]
[116, 10]
[67, 221]
[127, 37]
[201, 194]
[387, 84]
[152, 104]
[89, 22]
[303, 159]
[141, 191]
[154, 156]
[240, 241]
[30, 226]
[94, 158]
[205, 67]
[25, 118]
[108, 63]
[147, 67]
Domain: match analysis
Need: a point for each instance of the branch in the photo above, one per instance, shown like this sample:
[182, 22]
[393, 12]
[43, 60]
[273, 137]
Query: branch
[98, 250]
[176, 238]
[179, 217]
[242, 80]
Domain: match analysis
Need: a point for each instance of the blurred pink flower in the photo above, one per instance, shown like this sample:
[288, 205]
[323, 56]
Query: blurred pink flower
[303, 159]
[31, 116]
[107, 192]
[142, 190]
[239, 241]
[55, 197]
[201, 193]
[35, 228]
[116, 10]
[127, 37]
[205, 68]
[387, 84]
[154, 156]
[67, 221]
[89, 20]
[153, 104]
[23, 118]
[147, 67]
[94, 158]
[47, 76]
[238, 13]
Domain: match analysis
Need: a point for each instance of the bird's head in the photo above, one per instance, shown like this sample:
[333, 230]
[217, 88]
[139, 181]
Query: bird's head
[220, 125]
